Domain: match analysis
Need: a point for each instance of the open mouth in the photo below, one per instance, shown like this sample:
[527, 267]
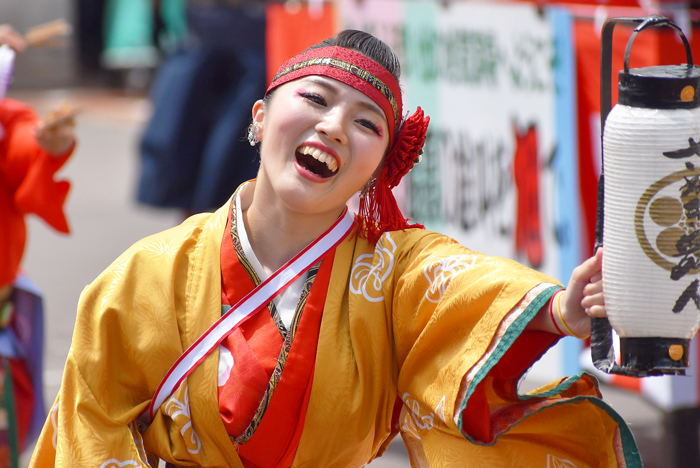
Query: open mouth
[316, 161]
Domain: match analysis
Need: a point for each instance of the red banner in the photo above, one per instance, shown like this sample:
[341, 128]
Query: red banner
[293, 29]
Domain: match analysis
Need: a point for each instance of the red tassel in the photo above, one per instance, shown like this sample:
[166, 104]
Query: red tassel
[379, 211]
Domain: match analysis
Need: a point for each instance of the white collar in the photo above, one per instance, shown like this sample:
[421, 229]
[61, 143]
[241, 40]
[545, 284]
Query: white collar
[286, 302]
[262, 273]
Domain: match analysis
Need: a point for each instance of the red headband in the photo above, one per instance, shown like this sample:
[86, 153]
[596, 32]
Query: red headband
[353, 69]
[378, 211]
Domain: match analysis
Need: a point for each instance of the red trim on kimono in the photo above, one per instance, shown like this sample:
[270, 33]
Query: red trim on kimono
[255, 348]
[254, 345]
[527, 348]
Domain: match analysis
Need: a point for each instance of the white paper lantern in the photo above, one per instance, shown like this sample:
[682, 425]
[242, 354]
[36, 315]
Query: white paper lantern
[651, 229]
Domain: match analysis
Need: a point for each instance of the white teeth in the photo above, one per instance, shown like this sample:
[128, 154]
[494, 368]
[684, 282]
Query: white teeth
[321, 156]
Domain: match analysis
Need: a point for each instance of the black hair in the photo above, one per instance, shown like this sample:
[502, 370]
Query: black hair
[367, 45]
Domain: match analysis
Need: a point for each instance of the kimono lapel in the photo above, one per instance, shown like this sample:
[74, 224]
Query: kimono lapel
[254, 347]
[275, 440]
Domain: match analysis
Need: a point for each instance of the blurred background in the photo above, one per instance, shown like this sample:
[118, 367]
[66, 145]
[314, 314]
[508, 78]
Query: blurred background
[163, 91]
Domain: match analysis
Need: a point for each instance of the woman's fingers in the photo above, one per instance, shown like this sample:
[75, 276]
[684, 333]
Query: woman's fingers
[597, 311]
[584, 295]
[593, 288]
[585, 272]
[593, 299]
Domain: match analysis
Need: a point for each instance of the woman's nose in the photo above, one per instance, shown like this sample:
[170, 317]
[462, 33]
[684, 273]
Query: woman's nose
[333, 126]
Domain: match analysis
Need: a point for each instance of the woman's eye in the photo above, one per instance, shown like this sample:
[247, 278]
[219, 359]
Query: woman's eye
[314, 98]
[371, 126]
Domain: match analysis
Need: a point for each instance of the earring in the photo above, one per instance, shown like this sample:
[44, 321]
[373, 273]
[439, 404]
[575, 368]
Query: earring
[253, 134]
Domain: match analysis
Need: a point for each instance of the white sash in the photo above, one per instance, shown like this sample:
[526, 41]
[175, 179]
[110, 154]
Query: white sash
[246, 307]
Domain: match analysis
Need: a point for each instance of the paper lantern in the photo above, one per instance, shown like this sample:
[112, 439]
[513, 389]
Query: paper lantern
[651, 218]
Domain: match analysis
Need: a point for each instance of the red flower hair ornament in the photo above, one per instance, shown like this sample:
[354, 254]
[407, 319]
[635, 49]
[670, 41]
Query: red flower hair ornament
[378, 211]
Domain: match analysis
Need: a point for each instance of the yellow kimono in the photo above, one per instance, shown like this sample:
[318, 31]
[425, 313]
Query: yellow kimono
[418, 317]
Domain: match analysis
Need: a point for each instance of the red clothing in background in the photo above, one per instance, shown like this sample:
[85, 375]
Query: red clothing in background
[27, 184]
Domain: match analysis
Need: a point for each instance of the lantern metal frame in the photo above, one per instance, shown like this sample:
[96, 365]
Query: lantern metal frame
[602, 349]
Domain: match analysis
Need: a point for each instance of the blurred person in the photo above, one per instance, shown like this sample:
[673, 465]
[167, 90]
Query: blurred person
[132, 34]
[283, 331]
[89, 28]
[31, 152]
[193, 151]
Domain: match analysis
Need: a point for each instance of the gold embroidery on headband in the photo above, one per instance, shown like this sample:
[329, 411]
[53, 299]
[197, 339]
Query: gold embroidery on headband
[350, 68]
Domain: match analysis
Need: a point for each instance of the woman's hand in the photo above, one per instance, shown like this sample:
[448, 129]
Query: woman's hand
[583, 297]
[57, 133]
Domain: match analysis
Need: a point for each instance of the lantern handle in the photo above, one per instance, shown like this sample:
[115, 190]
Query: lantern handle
[657, 20]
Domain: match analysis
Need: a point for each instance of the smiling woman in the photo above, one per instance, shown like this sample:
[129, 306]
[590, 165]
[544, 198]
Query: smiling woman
[284, 331]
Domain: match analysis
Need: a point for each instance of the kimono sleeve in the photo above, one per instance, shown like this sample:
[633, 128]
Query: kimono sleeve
[125, 337]
[459, 321]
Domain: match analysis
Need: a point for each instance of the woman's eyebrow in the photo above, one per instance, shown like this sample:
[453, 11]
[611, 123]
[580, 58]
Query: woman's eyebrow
[323, 83]
[371, 106]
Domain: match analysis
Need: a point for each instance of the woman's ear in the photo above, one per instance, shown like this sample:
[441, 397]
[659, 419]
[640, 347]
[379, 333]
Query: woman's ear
[259, 117]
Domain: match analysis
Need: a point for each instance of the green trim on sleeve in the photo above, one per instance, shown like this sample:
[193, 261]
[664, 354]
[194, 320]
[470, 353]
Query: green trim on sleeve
[629, 445]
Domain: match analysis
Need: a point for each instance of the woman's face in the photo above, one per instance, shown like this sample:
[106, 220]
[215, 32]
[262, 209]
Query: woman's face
[322, 141]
